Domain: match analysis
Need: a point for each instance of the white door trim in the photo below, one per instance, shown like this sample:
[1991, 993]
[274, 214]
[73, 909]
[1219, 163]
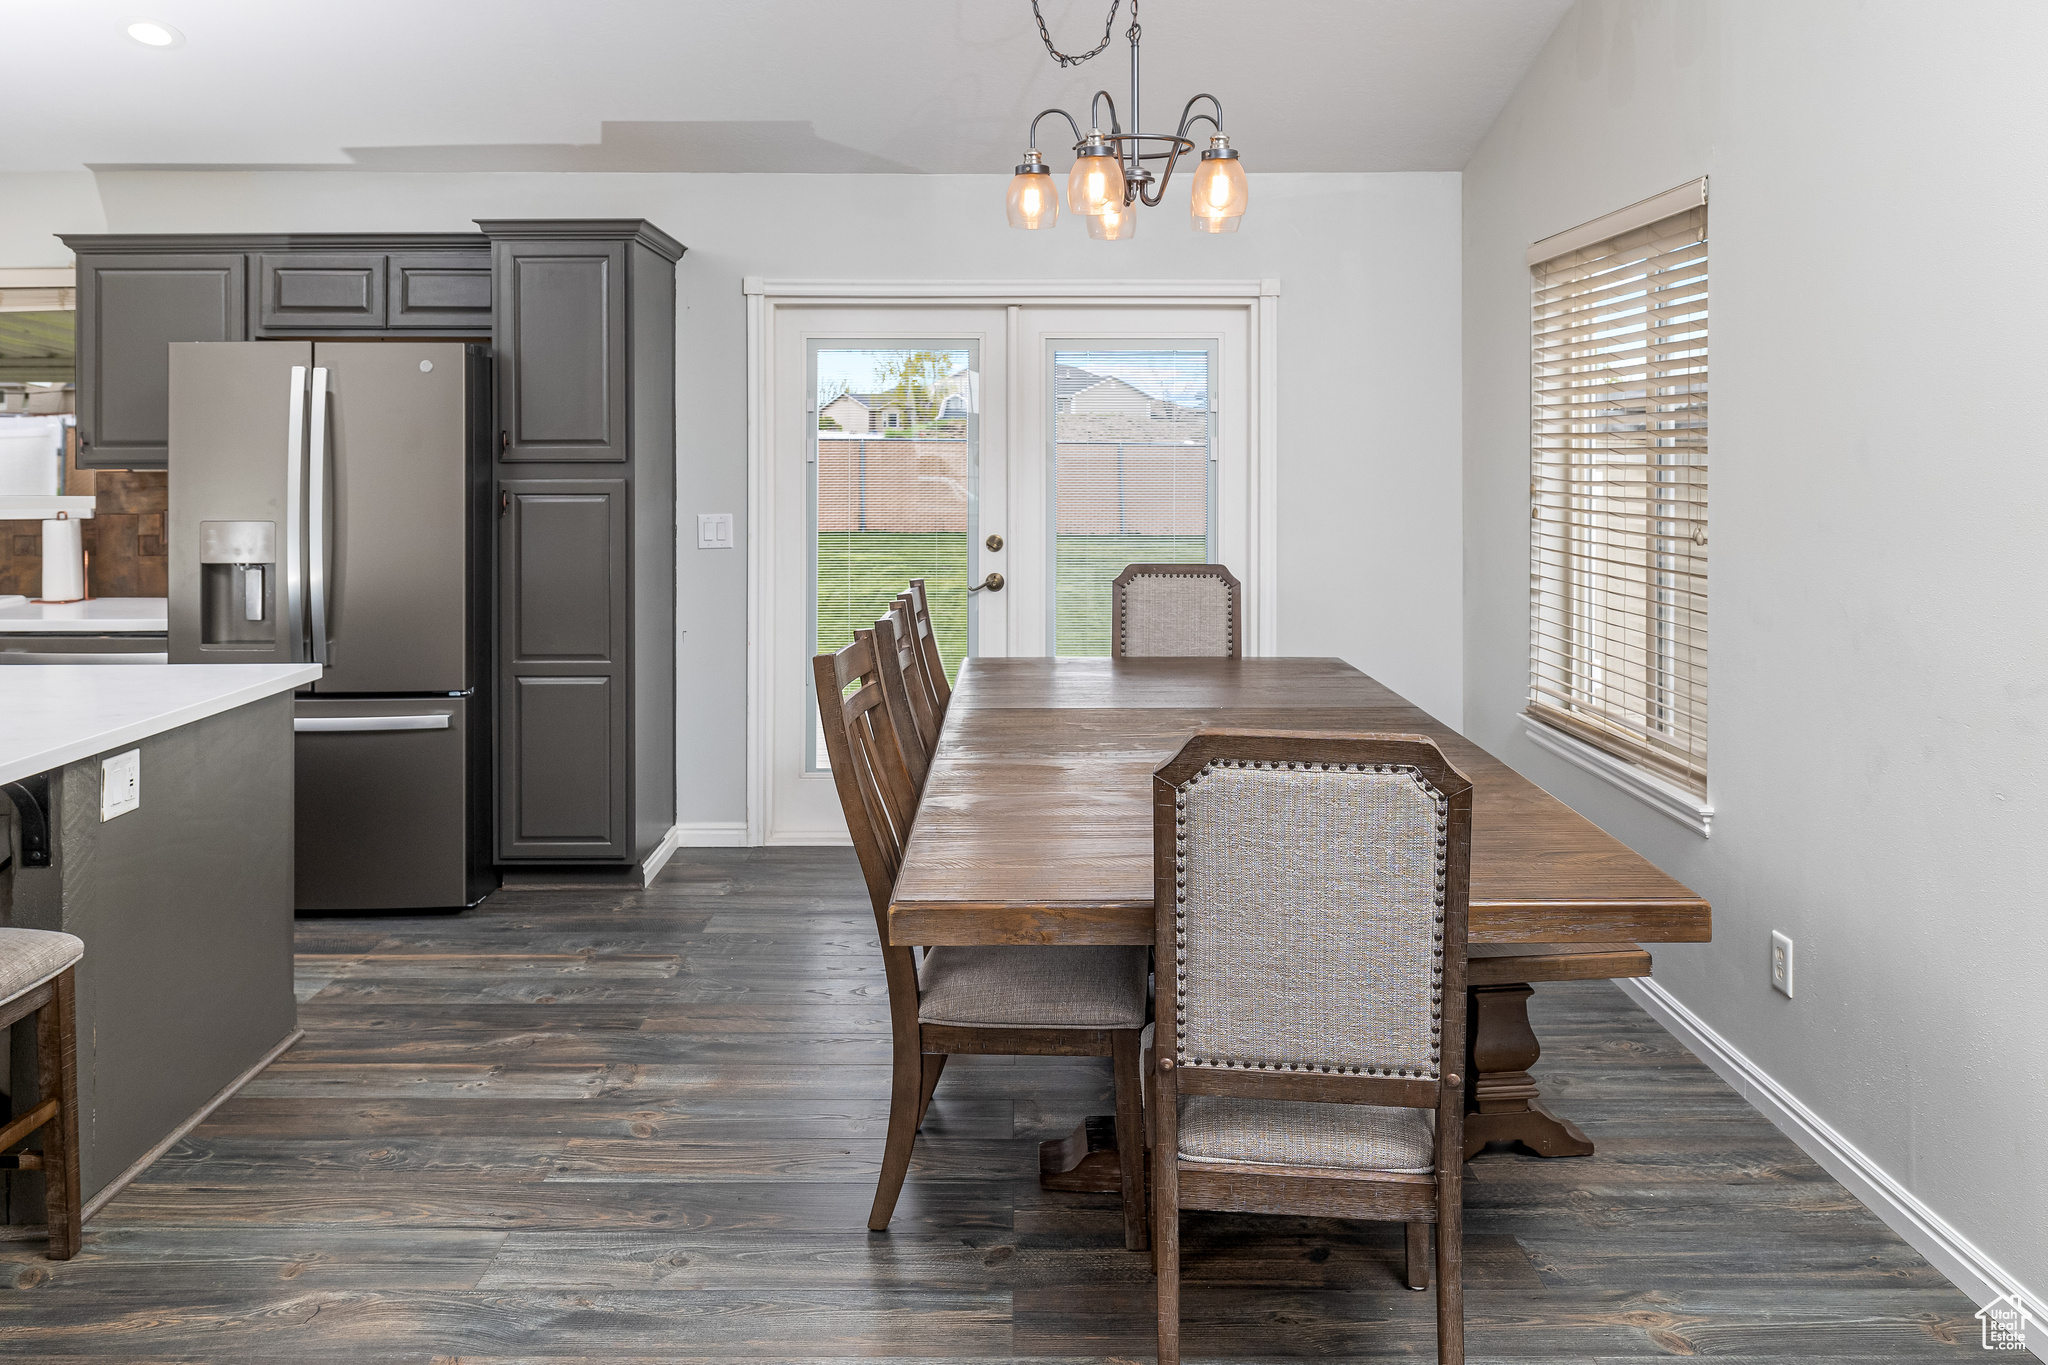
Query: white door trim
[1259, 298]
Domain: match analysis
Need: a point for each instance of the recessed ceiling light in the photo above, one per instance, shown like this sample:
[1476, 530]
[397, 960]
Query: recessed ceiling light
[153, 33]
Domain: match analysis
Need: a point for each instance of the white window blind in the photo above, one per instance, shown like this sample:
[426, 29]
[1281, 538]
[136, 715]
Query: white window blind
[1618, 491]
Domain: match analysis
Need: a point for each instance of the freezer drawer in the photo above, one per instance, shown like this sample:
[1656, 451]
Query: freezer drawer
[387, 803]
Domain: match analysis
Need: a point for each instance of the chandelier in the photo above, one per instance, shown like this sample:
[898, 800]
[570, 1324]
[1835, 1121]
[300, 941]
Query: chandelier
[1110, 178]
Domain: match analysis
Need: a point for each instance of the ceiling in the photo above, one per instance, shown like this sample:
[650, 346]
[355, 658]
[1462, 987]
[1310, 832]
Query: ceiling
[885, 86]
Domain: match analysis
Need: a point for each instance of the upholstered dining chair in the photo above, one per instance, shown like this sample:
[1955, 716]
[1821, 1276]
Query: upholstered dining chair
[1175, 610]
[1027, 1000]
[928, 648]
[1312, 889]
[903, 688]
[36, 978]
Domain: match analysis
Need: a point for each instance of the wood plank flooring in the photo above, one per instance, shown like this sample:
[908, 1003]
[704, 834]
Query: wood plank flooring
[616, 1126]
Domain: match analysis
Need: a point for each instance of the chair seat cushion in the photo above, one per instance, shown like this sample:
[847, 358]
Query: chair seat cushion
[1034, 987]
[1352, 1137]
[29, 957]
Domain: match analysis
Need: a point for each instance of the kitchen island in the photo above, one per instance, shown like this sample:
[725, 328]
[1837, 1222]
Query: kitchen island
[151, 815]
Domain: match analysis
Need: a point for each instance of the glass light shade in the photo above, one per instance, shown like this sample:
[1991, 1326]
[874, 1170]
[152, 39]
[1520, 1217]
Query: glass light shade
[1034, 203]
[1220, 194]
[1114, 223]
[1094, 182]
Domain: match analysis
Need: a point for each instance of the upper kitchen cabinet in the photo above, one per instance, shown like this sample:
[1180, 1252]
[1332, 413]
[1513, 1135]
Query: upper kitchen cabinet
[131, 306]
[139, 293]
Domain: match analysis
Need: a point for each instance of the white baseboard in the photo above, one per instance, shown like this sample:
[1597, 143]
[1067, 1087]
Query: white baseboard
[712, 834]
[809, 838]
[1946, 1249]
[651, 866]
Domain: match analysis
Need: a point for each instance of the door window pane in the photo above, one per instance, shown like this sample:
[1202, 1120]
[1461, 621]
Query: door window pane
[894, 463]
[1131, 476]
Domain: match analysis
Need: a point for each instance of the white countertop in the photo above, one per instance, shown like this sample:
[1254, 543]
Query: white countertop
[60, 714]
[93, 616]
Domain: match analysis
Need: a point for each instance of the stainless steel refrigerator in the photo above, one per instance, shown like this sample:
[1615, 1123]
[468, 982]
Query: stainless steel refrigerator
[328, 503]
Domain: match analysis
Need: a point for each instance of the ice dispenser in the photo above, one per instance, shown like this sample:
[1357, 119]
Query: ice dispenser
[238, 583]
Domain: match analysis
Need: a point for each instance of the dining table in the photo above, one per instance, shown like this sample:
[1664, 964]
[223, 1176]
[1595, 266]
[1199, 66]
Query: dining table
[1035, 827]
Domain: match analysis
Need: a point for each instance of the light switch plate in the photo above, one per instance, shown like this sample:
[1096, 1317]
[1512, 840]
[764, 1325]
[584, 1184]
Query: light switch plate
[714, 530]
[120, 784]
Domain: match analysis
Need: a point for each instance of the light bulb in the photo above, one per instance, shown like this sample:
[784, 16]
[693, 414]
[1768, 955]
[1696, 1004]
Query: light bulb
[1114, 223]
[150, 33]
[1220, 191]
[1034, 203]
[1097, 178]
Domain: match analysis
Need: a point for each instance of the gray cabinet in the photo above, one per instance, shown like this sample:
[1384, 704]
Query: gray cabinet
[443, 290]
[303, 289]
[131, 306]
[584, 341]
[563, 745]
[138, 293]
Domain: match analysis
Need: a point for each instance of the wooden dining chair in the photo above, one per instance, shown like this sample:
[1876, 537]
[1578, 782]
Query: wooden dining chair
[1312, 890]
[928, 648]
[36, 978]
[1025, 1000]
[904, 691]
[1186, 611]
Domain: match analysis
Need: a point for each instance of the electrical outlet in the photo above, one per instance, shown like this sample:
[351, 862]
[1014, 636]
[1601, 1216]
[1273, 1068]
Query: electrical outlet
[1781, 964]
[120, 784]
[714, 530]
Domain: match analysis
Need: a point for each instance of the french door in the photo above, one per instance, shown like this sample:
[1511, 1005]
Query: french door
[1049, 446]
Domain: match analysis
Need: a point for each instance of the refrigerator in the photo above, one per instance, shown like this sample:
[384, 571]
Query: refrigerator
[329, 503]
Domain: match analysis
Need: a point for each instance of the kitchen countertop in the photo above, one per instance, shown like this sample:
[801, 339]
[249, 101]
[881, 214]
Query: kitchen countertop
[93, 616]
[59, 714]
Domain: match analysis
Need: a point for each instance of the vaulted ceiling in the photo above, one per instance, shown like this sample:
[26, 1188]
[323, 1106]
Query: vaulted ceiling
[888, 86]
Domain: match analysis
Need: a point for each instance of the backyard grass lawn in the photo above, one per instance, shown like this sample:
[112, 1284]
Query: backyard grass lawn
[860, 572]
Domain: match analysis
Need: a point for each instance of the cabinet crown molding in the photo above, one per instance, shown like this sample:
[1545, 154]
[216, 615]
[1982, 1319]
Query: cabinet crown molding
[586, 229]
[163, 243]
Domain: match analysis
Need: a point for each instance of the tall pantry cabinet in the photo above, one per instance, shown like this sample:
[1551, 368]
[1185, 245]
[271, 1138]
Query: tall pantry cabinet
[583, 328]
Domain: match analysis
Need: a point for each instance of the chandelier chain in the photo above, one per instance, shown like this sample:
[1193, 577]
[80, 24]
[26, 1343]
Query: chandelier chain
[1108, 31]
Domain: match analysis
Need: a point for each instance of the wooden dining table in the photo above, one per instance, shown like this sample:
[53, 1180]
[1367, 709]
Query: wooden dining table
[1036, 827]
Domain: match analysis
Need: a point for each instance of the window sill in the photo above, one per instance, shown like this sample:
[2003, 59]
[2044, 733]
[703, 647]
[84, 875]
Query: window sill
[1666, 798]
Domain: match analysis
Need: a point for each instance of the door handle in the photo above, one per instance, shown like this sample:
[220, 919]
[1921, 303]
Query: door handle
[316, 517]
[994, 583]
[295, 516]
[329, 724]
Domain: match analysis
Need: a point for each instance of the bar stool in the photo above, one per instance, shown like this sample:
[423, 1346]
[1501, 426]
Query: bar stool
[36, 978]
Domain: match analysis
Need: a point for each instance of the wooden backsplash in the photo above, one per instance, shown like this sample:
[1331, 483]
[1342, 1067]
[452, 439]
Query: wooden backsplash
[124, 539]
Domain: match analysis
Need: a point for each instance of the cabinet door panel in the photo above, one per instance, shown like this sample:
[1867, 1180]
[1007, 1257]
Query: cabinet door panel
[564, 736]
[565, 768]
[130, 308]
[561, 333]
[449, 290]
[301, 289]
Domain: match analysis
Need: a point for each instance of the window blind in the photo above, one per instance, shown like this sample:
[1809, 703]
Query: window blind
[1618, 494]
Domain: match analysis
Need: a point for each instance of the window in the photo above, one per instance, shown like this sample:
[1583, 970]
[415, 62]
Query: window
[1618, 486]
[1132, 461]
[892, 504]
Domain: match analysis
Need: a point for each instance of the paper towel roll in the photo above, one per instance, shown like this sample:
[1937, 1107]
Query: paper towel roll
[63, 560]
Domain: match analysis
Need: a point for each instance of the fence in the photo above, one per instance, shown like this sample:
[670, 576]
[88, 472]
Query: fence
[1104, 487]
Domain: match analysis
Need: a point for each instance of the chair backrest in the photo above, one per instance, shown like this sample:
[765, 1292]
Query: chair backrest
[876, 794]
[1313, 886]
[1187, 611]
[928, 649]
[903, 691]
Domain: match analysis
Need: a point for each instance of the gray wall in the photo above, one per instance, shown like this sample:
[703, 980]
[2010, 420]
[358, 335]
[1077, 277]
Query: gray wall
[1369, 466]
[1876, 676]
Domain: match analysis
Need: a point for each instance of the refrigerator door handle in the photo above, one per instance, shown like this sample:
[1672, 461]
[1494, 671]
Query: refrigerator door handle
[295, 517]
[316, 516]
[329, 724]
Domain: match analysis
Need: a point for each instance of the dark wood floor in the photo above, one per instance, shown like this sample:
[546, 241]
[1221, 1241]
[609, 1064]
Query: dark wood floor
[645, 1125]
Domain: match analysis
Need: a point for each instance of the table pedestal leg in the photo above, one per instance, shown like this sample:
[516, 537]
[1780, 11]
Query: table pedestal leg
[1083, 1161]
[1502, 1103]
